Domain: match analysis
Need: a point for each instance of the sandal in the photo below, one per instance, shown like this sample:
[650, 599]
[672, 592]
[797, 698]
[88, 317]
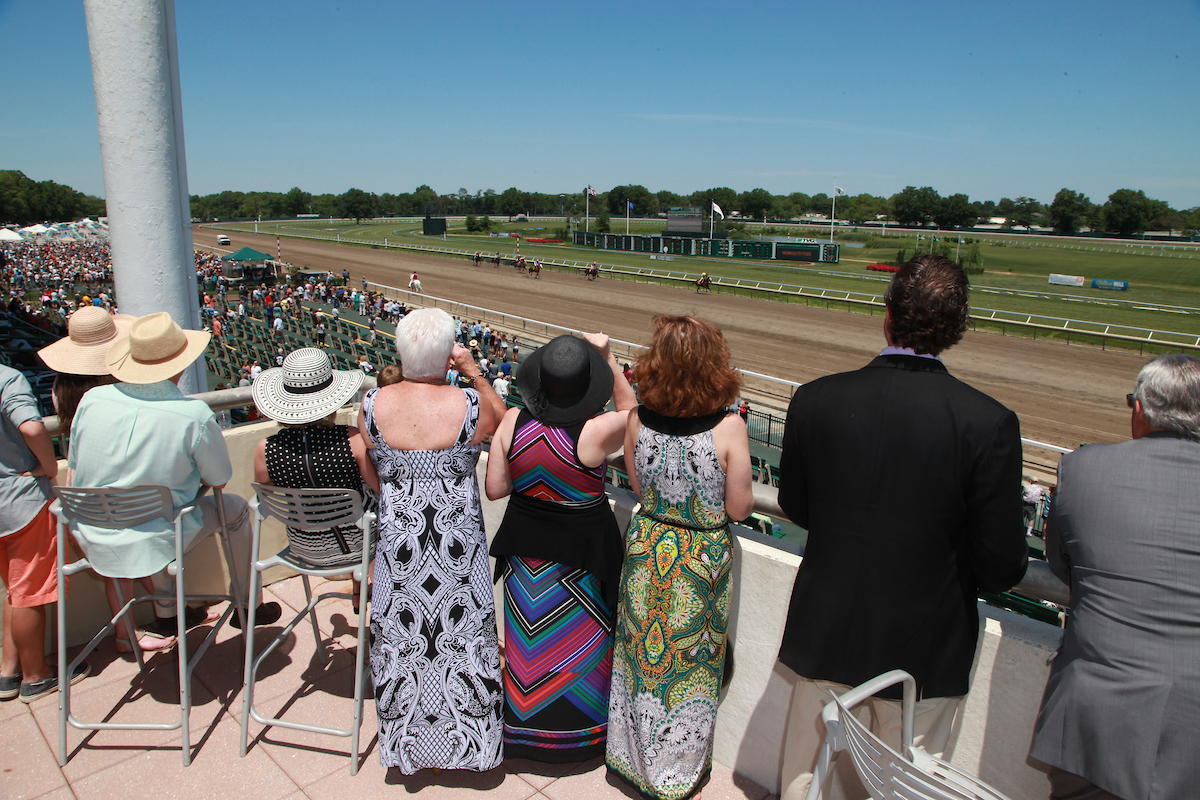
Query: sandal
[148, 642]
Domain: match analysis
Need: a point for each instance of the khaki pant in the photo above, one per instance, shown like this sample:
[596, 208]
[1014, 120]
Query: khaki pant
[937, 720]
[237, 518]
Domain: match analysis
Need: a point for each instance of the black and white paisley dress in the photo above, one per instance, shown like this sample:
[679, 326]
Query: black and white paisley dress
[435, 657]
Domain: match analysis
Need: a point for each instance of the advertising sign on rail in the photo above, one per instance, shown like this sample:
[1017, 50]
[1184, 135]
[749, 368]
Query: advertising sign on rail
[1117, 286]
[1067, 280]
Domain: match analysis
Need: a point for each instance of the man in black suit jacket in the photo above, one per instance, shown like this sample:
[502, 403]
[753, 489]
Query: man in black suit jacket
[1121, 713]
[909, 483]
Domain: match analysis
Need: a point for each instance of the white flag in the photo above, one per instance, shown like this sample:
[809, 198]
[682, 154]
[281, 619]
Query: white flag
[838, 191]
[717, 210]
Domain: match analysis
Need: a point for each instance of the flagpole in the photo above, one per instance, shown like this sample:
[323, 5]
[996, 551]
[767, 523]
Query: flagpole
[587, 207]
[833, 212]
[712, 216]
[626, 216]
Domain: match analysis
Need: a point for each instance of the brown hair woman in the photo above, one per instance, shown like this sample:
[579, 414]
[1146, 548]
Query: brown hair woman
[689, 460]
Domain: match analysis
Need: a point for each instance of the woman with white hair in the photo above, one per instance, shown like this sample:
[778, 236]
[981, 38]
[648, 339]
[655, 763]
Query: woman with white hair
[435, 657]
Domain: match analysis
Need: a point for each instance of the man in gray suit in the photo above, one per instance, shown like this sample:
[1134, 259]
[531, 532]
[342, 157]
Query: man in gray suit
[1121, 713]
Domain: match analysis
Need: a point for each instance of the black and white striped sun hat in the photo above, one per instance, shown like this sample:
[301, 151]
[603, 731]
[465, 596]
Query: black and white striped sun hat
[305, 389]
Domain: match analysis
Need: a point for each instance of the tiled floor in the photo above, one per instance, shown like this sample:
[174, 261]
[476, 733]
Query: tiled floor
[280, 763]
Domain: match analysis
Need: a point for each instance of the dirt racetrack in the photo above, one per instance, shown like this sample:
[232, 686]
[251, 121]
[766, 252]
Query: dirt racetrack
[1063, 394]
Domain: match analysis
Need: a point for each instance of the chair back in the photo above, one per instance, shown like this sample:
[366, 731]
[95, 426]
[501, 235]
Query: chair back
[309, 509]
[115, 508]
[889, 776]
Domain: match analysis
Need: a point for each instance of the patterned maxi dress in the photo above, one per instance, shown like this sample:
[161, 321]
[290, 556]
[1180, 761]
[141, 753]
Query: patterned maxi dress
[559, 552]
[669, 653]
[435, 657]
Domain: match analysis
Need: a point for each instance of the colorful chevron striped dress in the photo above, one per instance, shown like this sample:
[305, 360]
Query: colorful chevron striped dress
[557, 548]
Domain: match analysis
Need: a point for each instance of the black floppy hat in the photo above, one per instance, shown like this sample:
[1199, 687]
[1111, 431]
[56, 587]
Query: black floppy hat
[565, 382]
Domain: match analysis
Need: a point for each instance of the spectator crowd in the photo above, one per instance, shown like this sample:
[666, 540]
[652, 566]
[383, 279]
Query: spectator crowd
[907, 480]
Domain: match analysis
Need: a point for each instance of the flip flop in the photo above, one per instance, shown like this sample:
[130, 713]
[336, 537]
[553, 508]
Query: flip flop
[148, 642]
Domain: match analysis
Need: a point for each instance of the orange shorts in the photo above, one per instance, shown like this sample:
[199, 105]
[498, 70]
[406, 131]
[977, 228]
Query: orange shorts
[28, 562]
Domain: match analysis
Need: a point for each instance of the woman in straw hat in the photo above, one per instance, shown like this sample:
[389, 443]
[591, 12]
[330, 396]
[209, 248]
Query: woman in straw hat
[559, 548]
[689, 460]
[312, 451]
[78, 358]
[144, 431]
[435, 657]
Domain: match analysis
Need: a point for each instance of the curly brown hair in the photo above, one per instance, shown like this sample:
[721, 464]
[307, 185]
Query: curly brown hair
[686, 371]
[929, 304]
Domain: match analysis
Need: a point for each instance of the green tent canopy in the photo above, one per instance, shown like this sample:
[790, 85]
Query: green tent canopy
[246, 254]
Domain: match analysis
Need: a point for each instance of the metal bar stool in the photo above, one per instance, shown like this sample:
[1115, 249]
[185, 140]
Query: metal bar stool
[312, 510]
[119, 509]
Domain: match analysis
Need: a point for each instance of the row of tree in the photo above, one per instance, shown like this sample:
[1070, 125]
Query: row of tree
[24, 201]
[1126, 212]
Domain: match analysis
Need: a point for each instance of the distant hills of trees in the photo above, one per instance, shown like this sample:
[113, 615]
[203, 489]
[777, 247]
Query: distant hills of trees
[24, 201]
[1126, 212]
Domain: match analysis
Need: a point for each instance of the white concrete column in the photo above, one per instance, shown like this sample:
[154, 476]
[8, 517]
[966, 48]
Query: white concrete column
[135, 71]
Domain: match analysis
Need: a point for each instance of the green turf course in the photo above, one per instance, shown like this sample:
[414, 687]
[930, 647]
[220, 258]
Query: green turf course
[1014, 269]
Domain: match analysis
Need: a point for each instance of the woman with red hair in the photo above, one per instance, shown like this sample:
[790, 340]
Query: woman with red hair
[689, 460]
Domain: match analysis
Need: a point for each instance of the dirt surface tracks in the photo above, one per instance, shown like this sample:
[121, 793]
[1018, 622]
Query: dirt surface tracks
[1063, 394]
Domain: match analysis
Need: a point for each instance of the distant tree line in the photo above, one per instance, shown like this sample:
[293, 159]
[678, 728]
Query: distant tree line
[1126, 212]
[24, 201]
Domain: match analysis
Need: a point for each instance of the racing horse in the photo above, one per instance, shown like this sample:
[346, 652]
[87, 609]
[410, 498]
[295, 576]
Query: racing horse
[519, 265]
[477, 258]
[703, 284]
[534, 269]
[415, 285]
[592, 271]
[496, 261]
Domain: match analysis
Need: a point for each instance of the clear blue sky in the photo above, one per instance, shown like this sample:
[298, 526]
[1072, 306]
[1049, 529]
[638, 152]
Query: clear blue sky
[996, 99]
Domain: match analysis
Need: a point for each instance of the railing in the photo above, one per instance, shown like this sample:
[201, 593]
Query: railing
[1039, 582]
[1030, 322]
[767, 385]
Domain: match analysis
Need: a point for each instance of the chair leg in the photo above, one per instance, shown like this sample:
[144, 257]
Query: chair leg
[248, 679]
[312, 613]
[137, 650]
[185, 685]
[64, 686]
[359, 679]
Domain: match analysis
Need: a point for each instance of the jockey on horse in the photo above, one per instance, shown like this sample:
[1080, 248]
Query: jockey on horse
[592, 271]
[535, 269]
[703, 282]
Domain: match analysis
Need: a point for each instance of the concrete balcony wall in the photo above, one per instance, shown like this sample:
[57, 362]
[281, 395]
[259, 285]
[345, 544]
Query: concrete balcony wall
[1008, 678]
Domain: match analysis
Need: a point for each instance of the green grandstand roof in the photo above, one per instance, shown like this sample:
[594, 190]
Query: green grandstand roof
[246, 254]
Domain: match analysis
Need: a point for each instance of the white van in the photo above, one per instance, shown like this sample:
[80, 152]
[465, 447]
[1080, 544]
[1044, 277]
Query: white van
[223, 240]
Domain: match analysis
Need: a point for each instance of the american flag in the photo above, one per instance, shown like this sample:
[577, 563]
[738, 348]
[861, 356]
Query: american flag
[591, 192]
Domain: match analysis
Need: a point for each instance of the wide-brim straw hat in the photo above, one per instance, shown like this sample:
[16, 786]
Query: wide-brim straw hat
[155, 349]
[565, 382]
[305, 389]
[90, 332]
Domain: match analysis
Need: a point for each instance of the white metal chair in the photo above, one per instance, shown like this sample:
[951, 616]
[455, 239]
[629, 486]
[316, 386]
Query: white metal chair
[886, 774]
[309, 510]
[118, 509]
